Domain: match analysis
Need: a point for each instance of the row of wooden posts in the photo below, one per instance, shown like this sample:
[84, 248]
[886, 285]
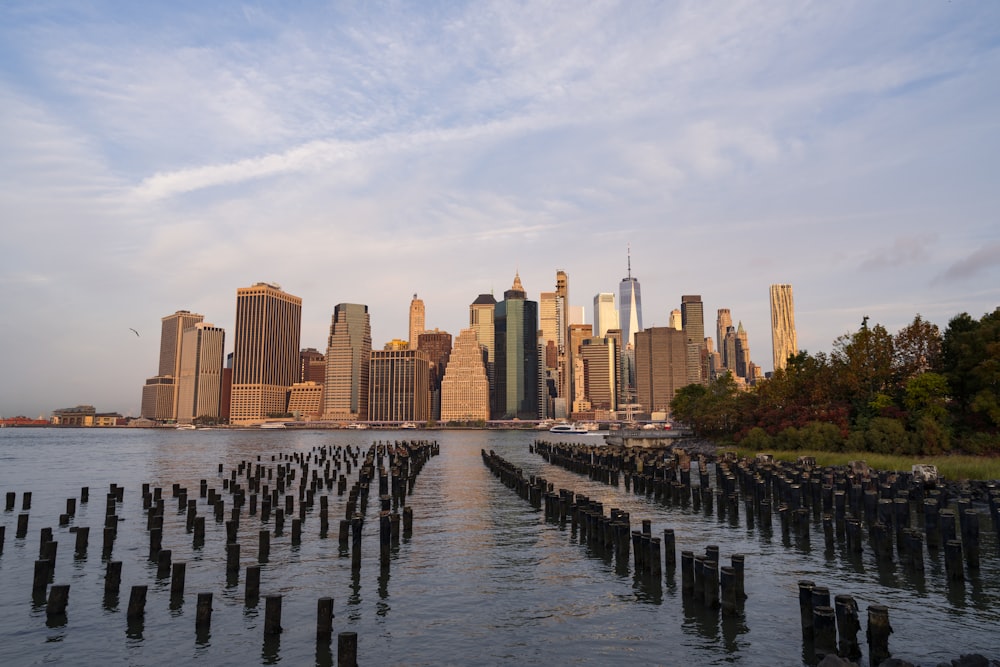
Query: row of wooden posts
[703, 580]
[398, 462]
[845, 498]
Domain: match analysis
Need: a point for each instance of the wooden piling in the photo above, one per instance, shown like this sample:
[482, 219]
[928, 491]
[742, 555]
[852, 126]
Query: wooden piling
[824, 630]
[878, 634]
[272, 615]
[970, 538]
[264, 546]
[848, 626]
[953, 560]
[177, 579]
[40, 581]
[58, 598]
[347, 649]
[324, 619]
[203, 614]
[805, 606]
[252, 591]
[136, 603]
[163, 563]
[232, 557]
[22, 526]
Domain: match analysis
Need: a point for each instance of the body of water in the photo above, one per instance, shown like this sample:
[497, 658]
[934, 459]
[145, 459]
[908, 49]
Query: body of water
[483, 579]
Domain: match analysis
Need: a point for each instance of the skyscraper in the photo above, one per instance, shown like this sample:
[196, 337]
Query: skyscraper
[312, 366]
[465, 389]
[417, 323]
[629, 306]
[549, 317]
[515, 337]
[693, 323]
[723, 320]
[605, 314]
[660, 367]
[784, 342]
[742, 353]
[481, 321]
[437, 345]
[265, 352]
[565, 355]
[348, 353]
[159, 394]
[199, 390]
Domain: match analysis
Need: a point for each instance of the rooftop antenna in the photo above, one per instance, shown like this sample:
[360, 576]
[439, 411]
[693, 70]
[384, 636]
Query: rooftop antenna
[629, 261]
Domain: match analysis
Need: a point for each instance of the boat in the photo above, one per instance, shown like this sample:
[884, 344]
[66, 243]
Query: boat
[273, 425]
[186, 427]
[408, 425]
[572, 429]
[358, 426]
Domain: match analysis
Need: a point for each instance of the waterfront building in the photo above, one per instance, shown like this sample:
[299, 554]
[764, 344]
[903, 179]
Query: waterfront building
[416, 320]
[605, 314]
[515, 337]
[312, 366]
[693, 324]
[600, 372]
[348, 356]
[265, 352]
[398, 386]
[159, 394]
[784, 342]
[199, 389]
[159, 398]
[465, 388]
[305, 400]
[660, 367]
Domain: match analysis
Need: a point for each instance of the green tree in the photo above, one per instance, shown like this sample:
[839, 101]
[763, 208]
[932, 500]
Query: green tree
[925, 396]
[916, 348]
[970, 355]
[863, 365]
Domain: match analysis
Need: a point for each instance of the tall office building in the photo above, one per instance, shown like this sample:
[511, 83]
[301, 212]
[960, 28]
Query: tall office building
[348, 353]
[629, 306]
[159, 394]
[565, 360]
[605, 314]
[723, 320]
[437, 345]
[465, 389]
[784, 342]
[481, 321]
[549, 318]
[416, 320]
[516, 340]
[660, 367]
[266, 352]
[693, 324]
[742, 351]
[199, 391]
[577, 334]
[600, 372]
[398, 386]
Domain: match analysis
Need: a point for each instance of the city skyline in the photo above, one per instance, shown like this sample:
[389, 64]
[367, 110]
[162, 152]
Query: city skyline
[158, 158]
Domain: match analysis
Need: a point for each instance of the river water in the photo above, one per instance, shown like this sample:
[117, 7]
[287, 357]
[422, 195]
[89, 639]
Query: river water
[484, 578]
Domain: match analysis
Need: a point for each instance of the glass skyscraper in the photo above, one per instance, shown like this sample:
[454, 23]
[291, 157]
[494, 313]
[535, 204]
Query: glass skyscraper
[516, 341]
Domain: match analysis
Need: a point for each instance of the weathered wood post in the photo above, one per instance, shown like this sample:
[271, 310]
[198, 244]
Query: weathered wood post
[970, 538]
[878, 634]
[203, 614]
[953, 560]
[824, 630]
[252, 592]
[58, 598]
[347, 649]
[163, 563]
[40, 581]
[324, 619]
[264, 546]
[805, 606]
[22, 526]
[232, 558]
[272, 615]
[848, 625]
[136, 603]
[113, 578]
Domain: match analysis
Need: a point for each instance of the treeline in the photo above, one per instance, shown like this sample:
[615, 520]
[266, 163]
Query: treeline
[918, 392]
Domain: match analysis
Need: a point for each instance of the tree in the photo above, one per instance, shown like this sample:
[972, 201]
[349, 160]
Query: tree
[863, 364]
[916, 348]
[970, 354]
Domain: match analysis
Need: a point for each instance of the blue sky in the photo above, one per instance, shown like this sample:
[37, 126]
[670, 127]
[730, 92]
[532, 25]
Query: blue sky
[158, 157]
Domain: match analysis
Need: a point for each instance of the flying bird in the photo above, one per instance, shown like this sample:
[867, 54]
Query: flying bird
[133, 331]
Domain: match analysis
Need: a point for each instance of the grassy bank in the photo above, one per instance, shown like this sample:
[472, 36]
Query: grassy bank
[951, 467]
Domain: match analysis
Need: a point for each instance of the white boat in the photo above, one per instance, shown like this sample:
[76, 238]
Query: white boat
[408, 425]
[186, 427]
[273, 425]
[358, 426]
[573, 429]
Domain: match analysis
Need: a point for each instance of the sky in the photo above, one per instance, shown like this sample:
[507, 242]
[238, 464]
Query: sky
[155, 157]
